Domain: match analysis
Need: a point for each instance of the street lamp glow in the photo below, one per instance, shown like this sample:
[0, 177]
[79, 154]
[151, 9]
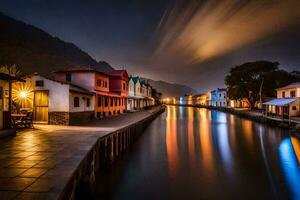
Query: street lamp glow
[23, 94]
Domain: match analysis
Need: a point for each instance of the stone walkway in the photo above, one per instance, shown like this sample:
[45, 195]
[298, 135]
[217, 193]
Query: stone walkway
[36, 164]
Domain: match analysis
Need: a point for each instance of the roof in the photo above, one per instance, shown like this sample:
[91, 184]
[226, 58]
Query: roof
[292, 85]
[78, 68]
[280, 102]
[73, 87]
[135, 79]
[7, 77]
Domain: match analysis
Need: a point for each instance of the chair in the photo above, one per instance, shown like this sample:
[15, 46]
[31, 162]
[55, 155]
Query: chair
[28, 120]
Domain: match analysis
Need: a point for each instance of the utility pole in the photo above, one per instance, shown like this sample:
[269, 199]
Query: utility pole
[260, 92]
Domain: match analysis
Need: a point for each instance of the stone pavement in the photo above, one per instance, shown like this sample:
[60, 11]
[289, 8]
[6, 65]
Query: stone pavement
[37, 164]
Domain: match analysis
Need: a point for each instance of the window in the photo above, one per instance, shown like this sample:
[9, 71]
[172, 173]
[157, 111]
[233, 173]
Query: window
[69, 77]
[111, 102]
[88, 102]
[283, 94]
[99, 103]
[105, 84]
[124, 86]
[98, 83]
[293, 93]
[294, 108]
[39, 83]
[76, 102]
[105, 101]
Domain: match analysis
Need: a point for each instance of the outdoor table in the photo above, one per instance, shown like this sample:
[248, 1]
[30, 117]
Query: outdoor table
[18, 116]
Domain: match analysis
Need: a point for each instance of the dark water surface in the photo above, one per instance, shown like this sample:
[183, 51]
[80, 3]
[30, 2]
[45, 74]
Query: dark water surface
[192, 153]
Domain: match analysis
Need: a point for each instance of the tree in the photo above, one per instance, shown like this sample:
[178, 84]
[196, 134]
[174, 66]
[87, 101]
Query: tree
[248, 79]
[12, 70]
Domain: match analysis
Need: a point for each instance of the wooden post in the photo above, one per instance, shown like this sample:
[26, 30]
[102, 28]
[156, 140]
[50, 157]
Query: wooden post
[9, 102]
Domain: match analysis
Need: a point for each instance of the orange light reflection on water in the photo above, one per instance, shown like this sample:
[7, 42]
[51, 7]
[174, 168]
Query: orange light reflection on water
[191, 139]
[206, 144]
[171, 141]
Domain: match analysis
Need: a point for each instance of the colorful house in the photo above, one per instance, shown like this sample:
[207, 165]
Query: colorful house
[53, 101]
[135, 95]
[140, 94]
[203, 99]
[219, 97]
[118, 87]
[110, 87]
[287, 103]
[240, 103]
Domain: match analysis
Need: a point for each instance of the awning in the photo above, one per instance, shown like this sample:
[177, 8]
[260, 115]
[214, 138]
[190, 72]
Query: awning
[280, 102]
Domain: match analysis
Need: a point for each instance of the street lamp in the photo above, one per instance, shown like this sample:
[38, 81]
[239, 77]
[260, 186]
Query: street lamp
[23, 94]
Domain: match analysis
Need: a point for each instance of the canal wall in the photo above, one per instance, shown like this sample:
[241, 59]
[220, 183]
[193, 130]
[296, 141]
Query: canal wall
[104, 152]
[286, 124]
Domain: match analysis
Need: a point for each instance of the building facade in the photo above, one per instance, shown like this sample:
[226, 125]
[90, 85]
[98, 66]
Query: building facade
[140, 94]
[53, 101]
[6, 82]
[287, 103]
[110, 88]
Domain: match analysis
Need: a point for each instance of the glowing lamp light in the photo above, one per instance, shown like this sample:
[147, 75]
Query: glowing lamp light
[23, 94]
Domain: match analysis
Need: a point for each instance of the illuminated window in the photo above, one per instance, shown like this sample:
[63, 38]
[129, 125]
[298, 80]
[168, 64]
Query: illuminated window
[76, 102]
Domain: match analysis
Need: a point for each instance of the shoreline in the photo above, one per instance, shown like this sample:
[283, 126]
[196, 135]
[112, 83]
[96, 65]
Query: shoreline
[104, 152]
[292, 126]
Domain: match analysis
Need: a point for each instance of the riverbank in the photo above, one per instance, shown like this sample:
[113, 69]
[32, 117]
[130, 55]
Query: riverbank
[50, 162]
[293, 125]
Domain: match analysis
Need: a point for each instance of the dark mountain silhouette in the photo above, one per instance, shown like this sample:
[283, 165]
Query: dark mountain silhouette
[34, 50]
[171, 89]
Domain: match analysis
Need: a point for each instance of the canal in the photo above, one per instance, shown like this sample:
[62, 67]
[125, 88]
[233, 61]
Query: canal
[195, 153]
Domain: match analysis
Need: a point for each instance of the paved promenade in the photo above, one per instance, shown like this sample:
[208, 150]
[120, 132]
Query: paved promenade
[36, 164]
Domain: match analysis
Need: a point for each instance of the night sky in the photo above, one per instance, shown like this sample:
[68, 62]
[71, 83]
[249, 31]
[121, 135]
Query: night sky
[189, 42]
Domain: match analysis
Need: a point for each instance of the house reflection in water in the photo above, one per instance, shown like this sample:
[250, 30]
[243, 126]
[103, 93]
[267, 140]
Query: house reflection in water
[206, 145]
[289, 159]
[171, 141]
[223, 141]
[191, 139]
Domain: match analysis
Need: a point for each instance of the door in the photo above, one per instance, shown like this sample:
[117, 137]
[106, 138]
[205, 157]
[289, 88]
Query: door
[40, 106]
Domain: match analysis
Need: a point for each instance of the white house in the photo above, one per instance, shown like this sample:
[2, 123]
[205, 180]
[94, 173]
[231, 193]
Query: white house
[221, 97]
[53, 101]
[135, 94]
[139, 94]
[287, 102]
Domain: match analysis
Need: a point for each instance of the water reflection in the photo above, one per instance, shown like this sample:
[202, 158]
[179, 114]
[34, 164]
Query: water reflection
[210, 155]
[191, 139]
[206, 145]
[290, 165]
[223, 141]
[171, 141]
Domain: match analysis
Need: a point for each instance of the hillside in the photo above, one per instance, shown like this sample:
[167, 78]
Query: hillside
[171, 89]
[35, 50]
